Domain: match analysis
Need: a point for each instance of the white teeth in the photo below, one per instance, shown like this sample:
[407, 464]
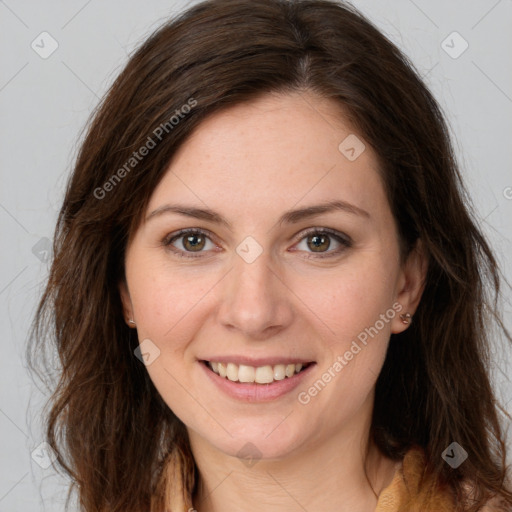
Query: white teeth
[290, 370]
[245, 373]
[261, 374]
[221, 369]
[232, 372]
[264, 375]
[279, 372]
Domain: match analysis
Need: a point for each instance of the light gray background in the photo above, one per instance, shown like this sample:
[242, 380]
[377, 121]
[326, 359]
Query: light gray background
[45, 103]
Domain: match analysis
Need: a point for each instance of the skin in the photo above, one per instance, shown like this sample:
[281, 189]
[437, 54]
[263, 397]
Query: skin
[251, 163]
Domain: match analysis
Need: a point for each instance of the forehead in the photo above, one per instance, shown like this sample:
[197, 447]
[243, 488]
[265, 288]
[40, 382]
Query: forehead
[271, 154]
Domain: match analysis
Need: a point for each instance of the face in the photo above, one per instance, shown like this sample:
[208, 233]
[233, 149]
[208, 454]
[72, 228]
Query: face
[240, 262]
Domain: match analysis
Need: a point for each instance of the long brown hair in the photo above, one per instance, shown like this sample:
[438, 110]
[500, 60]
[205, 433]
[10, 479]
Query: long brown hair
[106, 421]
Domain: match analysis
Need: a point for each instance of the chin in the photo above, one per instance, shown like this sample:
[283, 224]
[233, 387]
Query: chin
[270, 439]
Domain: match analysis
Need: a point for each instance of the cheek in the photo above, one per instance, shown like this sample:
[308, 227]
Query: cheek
[167, 306]
[352, 297]
[165, 300]
[356, 306]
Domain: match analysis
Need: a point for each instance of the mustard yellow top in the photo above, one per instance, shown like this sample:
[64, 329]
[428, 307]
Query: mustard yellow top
[403, 489]
[401, 495]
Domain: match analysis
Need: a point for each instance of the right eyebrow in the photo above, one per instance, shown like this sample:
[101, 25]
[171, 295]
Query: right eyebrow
[190, 211]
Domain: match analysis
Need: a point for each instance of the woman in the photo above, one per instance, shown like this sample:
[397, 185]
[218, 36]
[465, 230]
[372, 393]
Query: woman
[268, 291]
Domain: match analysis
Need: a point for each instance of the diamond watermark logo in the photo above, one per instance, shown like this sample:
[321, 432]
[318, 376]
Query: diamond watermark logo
[44, 45]
[42, 250]
[147, 352]
[249, 250]
[454, 455]
[249, 454]
[454, 45]
[43, 455]
[351, 147]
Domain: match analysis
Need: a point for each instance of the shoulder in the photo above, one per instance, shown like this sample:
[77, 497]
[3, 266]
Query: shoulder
[494, 504]
[418, 489]
[411, 491]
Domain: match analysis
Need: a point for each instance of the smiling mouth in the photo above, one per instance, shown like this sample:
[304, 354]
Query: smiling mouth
[256, 375]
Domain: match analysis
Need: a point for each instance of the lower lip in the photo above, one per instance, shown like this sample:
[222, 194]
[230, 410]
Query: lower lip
[252, 392]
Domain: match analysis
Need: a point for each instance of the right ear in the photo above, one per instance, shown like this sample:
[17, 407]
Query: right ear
[127, 304]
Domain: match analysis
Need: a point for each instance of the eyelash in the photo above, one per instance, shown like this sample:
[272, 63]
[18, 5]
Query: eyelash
[344, 240]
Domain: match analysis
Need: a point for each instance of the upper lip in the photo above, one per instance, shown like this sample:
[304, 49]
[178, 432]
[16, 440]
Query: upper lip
[257, 361]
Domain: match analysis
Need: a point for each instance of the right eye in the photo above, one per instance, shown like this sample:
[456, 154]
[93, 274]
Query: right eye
[190, 240]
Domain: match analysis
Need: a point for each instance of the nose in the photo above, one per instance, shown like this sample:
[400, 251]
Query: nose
[255, 300]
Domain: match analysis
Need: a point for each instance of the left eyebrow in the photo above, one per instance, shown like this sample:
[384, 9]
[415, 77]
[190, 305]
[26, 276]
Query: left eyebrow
[294, 216]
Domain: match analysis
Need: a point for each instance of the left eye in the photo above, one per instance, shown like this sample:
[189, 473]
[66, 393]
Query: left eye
[319, 240]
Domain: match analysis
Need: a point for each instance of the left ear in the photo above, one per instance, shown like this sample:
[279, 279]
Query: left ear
[127, 303]
[410, 285]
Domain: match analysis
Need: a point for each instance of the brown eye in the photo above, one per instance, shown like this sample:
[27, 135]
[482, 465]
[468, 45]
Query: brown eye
[188, 241]
[320, 240]
[318, 243]
[194, 242]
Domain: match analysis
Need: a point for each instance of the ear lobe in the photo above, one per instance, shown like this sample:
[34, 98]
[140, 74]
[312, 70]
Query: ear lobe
[126, 302]
[411, 284]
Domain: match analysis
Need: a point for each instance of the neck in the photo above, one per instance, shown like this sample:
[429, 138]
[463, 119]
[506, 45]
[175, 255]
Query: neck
[332, 476]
